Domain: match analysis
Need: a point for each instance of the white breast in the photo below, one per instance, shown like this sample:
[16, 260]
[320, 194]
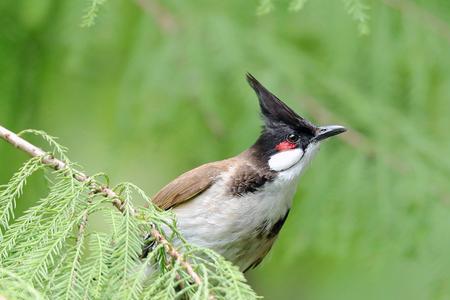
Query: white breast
[229, 224]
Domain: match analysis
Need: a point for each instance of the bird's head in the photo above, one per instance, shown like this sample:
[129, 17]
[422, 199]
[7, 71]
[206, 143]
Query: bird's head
[287, 140]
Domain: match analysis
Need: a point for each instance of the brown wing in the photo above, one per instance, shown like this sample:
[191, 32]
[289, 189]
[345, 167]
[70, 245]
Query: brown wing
[188, 185]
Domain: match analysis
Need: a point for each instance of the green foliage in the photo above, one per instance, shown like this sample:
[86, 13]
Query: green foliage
[356, 8]
[10, 192]
[13, 287]
[91, 13]
[265, 7]
[51, 253]
[297, 5]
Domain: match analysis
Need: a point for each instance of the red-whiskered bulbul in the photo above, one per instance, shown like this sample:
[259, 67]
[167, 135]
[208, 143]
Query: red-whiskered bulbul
[237, 206]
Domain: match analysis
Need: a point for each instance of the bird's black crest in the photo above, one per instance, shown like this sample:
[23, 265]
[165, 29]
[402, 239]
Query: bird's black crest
[274, 111]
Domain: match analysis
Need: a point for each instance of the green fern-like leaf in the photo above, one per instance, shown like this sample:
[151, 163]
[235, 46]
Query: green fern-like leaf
[13, 190]
[51, 252]
[297, 5]
[358, 10]
[91, 14]
[14, 287]
[265, 7]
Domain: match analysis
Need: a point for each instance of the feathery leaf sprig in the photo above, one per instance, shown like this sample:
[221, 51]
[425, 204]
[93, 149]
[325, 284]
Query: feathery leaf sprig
[53, 251]
[357, 9]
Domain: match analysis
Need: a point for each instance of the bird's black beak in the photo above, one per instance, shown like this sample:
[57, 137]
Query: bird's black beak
[325, 132]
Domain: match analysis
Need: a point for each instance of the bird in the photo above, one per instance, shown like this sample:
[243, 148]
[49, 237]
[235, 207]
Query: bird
[238, 206]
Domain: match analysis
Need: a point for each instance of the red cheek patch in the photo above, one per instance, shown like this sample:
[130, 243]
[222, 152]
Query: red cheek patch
[283, 146]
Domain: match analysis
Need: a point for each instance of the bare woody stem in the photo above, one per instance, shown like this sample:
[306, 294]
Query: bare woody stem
[96, 187]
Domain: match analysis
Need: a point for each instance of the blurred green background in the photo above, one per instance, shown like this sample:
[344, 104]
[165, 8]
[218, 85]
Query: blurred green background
[157, 87]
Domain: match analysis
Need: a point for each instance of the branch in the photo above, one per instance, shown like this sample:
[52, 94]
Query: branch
[96, 187]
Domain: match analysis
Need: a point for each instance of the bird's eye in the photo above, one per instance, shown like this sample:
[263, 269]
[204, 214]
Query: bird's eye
[292, 138]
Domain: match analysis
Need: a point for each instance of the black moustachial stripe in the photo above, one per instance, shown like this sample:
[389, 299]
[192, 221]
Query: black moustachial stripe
[248, 180]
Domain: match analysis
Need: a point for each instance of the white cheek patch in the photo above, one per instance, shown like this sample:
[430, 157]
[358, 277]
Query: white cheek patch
[285, 159]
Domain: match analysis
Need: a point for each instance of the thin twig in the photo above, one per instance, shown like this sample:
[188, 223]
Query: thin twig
[84, 221]
[175, 254]
[96, 187]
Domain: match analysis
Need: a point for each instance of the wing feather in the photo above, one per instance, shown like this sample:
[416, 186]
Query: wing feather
[188, 185]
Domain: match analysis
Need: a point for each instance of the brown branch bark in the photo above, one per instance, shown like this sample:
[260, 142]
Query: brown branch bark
[96, 187]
